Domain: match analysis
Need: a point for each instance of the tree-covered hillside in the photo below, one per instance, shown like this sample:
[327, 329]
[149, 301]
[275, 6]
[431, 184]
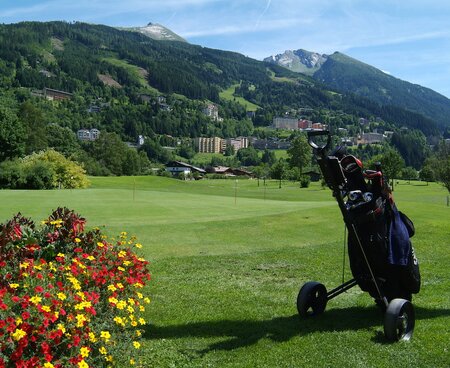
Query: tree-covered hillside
[346, 74]
[126, 85]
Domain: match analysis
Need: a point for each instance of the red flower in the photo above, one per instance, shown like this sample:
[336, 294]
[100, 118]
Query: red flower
[38, 289]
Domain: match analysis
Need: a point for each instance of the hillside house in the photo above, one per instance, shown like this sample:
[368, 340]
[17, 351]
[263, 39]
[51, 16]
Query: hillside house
[88, 134]
[212, 111]
[54, 94]
[177, 167]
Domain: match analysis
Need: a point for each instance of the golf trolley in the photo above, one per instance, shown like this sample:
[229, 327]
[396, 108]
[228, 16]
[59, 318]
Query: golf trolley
[381, 256]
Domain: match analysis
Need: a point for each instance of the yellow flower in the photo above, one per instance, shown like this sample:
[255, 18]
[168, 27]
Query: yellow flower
[91, 258]
[119, 285]
[142, 308]
[121, 268]
[122, 254]
[136, 344]
[77, 240]
[18, 321]
[24, 265]
[121, 304]
[109, 358]
[83, 364]
[112, 300]
[103, 350]
[119, 321]
[61, 327]
[84, 352]
[134, 323]
[112, 288]
[61, 296]
[138, 333]
[80, 320]
[123, 233]
[92, 337]
[35, 299]
[142, 321]
[140, 296]
[138, 245]
[138, 285]
[126, 263]
[46, 308]
[61, 255]
[105, 335]
[48, 365]
[147, 300]
[14, 286]
[100, 244]
[132, 362]
[18, 334]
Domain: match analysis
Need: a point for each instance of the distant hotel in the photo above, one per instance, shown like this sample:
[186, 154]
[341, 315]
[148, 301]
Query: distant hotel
[296, 124]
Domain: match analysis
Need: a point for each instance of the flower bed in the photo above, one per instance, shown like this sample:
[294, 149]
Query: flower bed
[69, 298]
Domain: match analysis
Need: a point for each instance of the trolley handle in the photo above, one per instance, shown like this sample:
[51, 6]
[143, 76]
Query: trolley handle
[319, 148]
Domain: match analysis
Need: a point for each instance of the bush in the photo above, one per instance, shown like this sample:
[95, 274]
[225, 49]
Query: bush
[305, 181]
[68, 298]
[11, 175]
[40, 175]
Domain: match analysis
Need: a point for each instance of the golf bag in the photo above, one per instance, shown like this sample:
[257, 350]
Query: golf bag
[378, 232]
[382, 258]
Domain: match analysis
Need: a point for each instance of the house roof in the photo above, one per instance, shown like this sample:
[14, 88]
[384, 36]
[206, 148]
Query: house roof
[184, 164]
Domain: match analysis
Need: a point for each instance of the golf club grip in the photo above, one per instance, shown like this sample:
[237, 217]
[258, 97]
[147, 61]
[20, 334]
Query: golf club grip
[317, 133]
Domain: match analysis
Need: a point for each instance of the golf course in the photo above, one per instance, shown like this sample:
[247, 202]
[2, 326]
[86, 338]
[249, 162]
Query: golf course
[228, 258]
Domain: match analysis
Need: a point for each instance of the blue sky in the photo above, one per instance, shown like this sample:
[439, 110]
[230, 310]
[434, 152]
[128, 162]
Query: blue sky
[410, 39]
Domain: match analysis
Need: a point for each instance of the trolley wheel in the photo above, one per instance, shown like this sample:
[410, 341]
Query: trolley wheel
[399, 320]
[312, 299]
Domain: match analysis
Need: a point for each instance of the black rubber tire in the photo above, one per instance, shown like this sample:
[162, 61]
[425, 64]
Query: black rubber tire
[312, 299]
[399, 320]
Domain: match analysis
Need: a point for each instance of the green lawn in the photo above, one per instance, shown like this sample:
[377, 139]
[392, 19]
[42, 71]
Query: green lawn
[228, 94]
[228, 258]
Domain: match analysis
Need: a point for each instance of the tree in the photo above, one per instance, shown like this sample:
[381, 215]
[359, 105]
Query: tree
[391, 164]
[229, 150]
[443, 164]
[12, 135]
[248, 156]
[268, 157]
[279, 170]
[33, 119]
[299, 153]
[427, 174]
[409, 173]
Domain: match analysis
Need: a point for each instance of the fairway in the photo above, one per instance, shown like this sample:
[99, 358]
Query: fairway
[228, 258]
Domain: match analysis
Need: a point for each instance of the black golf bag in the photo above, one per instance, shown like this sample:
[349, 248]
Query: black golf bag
[379, 232]
[382, 259]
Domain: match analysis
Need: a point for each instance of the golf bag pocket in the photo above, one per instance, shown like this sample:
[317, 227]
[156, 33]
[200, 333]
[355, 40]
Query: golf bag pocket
[408, 223]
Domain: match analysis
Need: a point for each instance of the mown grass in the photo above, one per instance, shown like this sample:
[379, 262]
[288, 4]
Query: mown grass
[228, 259]
[228, 94]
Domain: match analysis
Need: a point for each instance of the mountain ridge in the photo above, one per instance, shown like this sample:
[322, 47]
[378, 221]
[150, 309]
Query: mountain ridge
[156, 31]
[346, 74]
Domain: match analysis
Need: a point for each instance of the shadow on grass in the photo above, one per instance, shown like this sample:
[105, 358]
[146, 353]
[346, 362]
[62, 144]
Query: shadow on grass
[243, 333]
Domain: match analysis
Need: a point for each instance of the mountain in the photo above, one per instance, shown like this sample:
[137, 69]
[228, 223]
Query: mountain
[300, 61]
[156, 32]
[345, 74]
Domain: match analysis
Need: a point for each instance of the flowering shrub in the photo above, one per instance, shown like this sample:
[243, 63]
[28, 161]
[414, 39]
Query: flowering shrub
[68, 298]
